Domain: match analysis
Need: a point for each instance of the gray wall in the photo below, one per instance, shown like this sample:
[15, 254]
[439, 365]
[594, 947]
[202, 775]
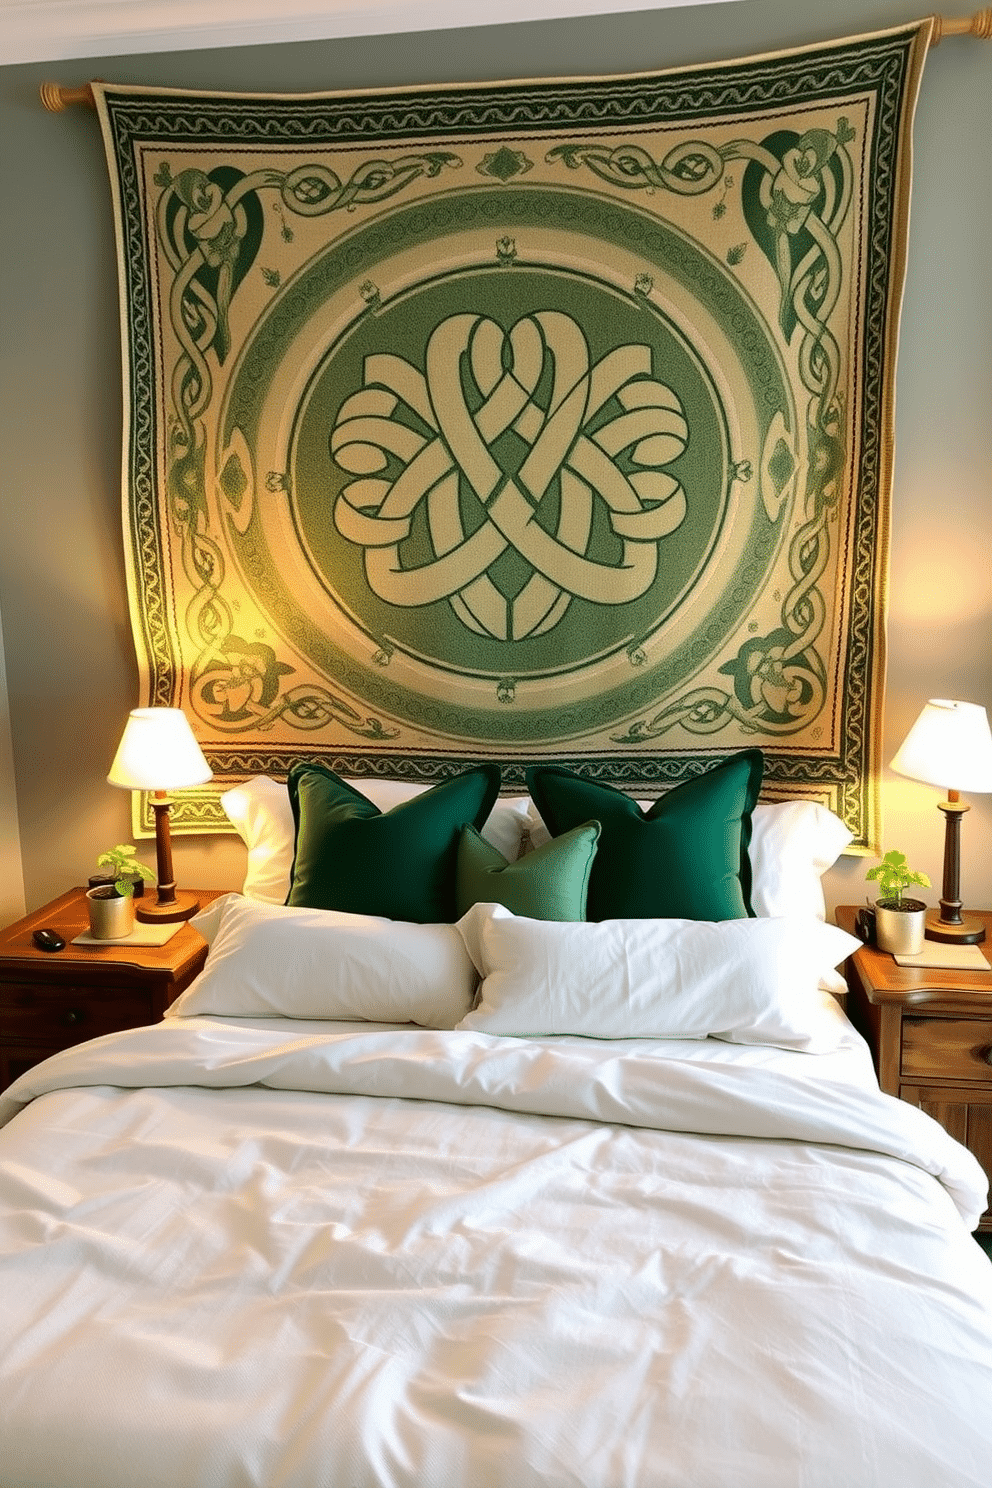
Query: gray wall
[69, 661]
[11, 872]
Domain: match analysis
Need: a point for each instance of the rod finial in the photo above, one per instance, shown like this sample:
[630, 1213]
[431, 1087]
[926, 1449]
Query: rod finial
[979, 25]
[56, 98]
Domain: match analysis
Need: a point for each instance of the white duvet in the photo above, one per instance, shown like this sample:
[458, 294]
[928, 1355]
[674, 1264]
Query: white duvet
[305, 1257]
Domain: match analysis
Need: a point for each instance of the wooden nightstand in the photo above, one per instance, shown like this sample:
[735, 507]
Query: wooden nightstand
[930, 1032]
[52, 999]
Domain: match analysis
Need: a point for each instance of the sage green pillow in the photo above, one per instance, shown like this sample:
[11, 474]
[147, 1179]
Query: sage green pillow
[550, 883]
[399, 864]
[684, 859]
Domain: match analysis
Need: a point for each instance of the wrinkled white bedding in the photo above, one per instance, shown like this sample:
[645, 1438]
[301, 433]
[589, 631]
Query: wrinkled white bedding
[307, 1257]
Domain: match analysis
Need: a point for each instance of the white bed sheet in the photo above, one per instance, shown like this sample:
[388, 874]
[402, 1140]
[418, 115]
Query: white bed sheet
[300, 1255]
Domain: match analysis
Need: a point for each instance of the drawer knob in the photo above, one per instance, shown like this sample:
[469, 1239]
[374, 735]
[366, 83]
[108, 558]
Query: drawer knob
[986, 1053]
[72, 1017]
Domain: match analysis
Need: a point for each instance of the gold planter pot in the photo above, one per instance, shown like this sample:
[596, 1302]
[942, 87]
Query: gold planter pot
[901, 931]
[111, 916]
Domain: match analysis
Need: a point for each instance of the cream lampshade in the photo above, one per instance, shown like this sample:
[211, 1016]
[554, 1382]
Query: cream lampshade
[950, 746]
[158, 753]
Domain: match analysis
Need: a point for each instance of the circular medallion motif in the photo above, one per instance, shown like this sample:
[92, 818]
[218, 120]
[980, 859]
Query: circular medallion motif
[515, 480]
[516, 470]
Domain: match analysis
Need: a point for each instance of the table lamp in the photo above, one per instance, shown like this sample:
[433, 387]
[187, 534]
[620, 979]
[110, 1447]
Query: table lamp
[950, 745]
[158, 753]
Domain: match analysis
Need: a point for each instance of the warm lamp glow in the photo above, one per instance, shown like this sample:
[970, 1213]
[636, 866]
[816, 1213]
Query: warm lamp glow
[949, 745]
[158, 753]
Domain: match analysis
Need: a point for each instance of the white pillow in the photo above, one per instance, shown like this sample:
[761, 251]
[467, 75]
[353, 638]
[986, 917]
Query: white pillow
[745, 981]
[269, 961]
[260, 812]
[793, 843]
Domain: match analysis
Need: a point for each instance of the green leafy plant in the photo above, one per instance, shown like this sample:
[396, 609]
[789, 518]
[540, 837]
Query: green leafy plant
[125, 867]
[893, 874]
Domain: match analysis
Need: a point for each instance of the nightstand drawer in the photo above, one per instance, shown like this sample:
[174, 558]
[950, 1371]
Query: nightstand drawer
[947, 1049]
[52, 1001]
[67, 1015]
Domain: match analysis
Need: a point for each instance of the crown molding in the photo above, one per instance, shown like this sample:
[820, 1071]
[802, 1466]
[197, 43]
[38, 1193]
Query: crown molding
[53, 30]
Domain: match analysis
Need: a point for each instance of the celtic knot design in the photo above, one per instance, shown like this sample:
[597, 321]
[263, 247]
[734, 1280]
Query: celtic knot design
[689, 169]
[239, 684]
[585, 433]
[210, 228]
[795, 197]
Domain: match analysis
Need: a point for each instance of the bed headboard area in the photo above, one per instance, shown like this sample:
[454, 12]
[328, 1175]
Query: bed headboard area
[519, 422]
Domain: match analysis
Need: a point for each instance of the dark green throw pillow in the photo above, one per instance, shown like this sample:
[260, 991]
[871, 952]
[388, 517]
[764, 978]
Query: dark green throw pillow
[550, 883]
[685, 858]
[399, 864]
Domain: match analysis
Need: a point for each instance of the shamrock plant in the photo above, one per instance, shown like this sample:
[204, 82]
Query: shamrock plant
[893, 874]
[121, 861]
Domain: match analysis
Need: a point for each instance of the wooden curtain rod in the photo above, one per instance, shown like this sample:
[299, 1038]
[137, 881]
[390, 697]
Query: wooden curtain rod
[55, 97]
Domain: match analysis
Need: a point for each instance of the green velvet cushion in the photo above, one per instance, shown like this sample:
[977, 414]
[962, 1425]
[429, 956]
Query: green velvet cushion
[685, 858]
[399, 864]
[550, 883]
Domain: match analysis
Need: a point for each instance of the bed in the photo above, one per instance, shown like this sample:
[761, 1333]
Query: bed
[455, 1202]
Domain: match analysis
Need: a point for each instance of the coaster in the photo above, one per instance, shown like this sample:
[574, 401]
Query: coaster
[141, 935]
[947, 958]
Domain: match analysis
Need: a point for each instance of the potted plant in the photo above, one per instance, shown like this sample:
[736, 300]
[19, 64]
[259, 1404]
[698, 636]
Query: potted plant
[900, 923]
[111, 905]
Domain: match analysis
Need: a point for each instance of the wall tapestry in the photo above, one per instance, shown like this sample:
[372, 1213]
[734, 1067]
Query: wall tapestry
[529, 420]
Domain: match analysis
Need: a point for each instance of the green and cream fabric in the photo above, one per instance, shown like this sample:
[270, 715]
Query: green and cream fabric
[523, 422]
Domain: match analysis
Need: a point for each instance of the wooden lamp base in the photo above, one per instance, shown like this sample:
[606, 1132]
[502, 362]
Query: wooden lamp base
[167, 907]
[181, 907]
[948, 924]
[968, 932]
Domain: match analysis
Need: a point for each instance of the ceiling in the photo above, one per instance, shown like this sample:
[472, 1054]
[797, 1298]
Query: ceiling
[50, 30]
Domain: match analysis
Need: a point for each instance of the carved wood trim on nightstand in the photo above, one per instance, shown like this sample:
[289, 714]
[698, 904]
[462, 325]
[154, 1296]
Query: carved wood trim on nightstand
[930, 1032]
